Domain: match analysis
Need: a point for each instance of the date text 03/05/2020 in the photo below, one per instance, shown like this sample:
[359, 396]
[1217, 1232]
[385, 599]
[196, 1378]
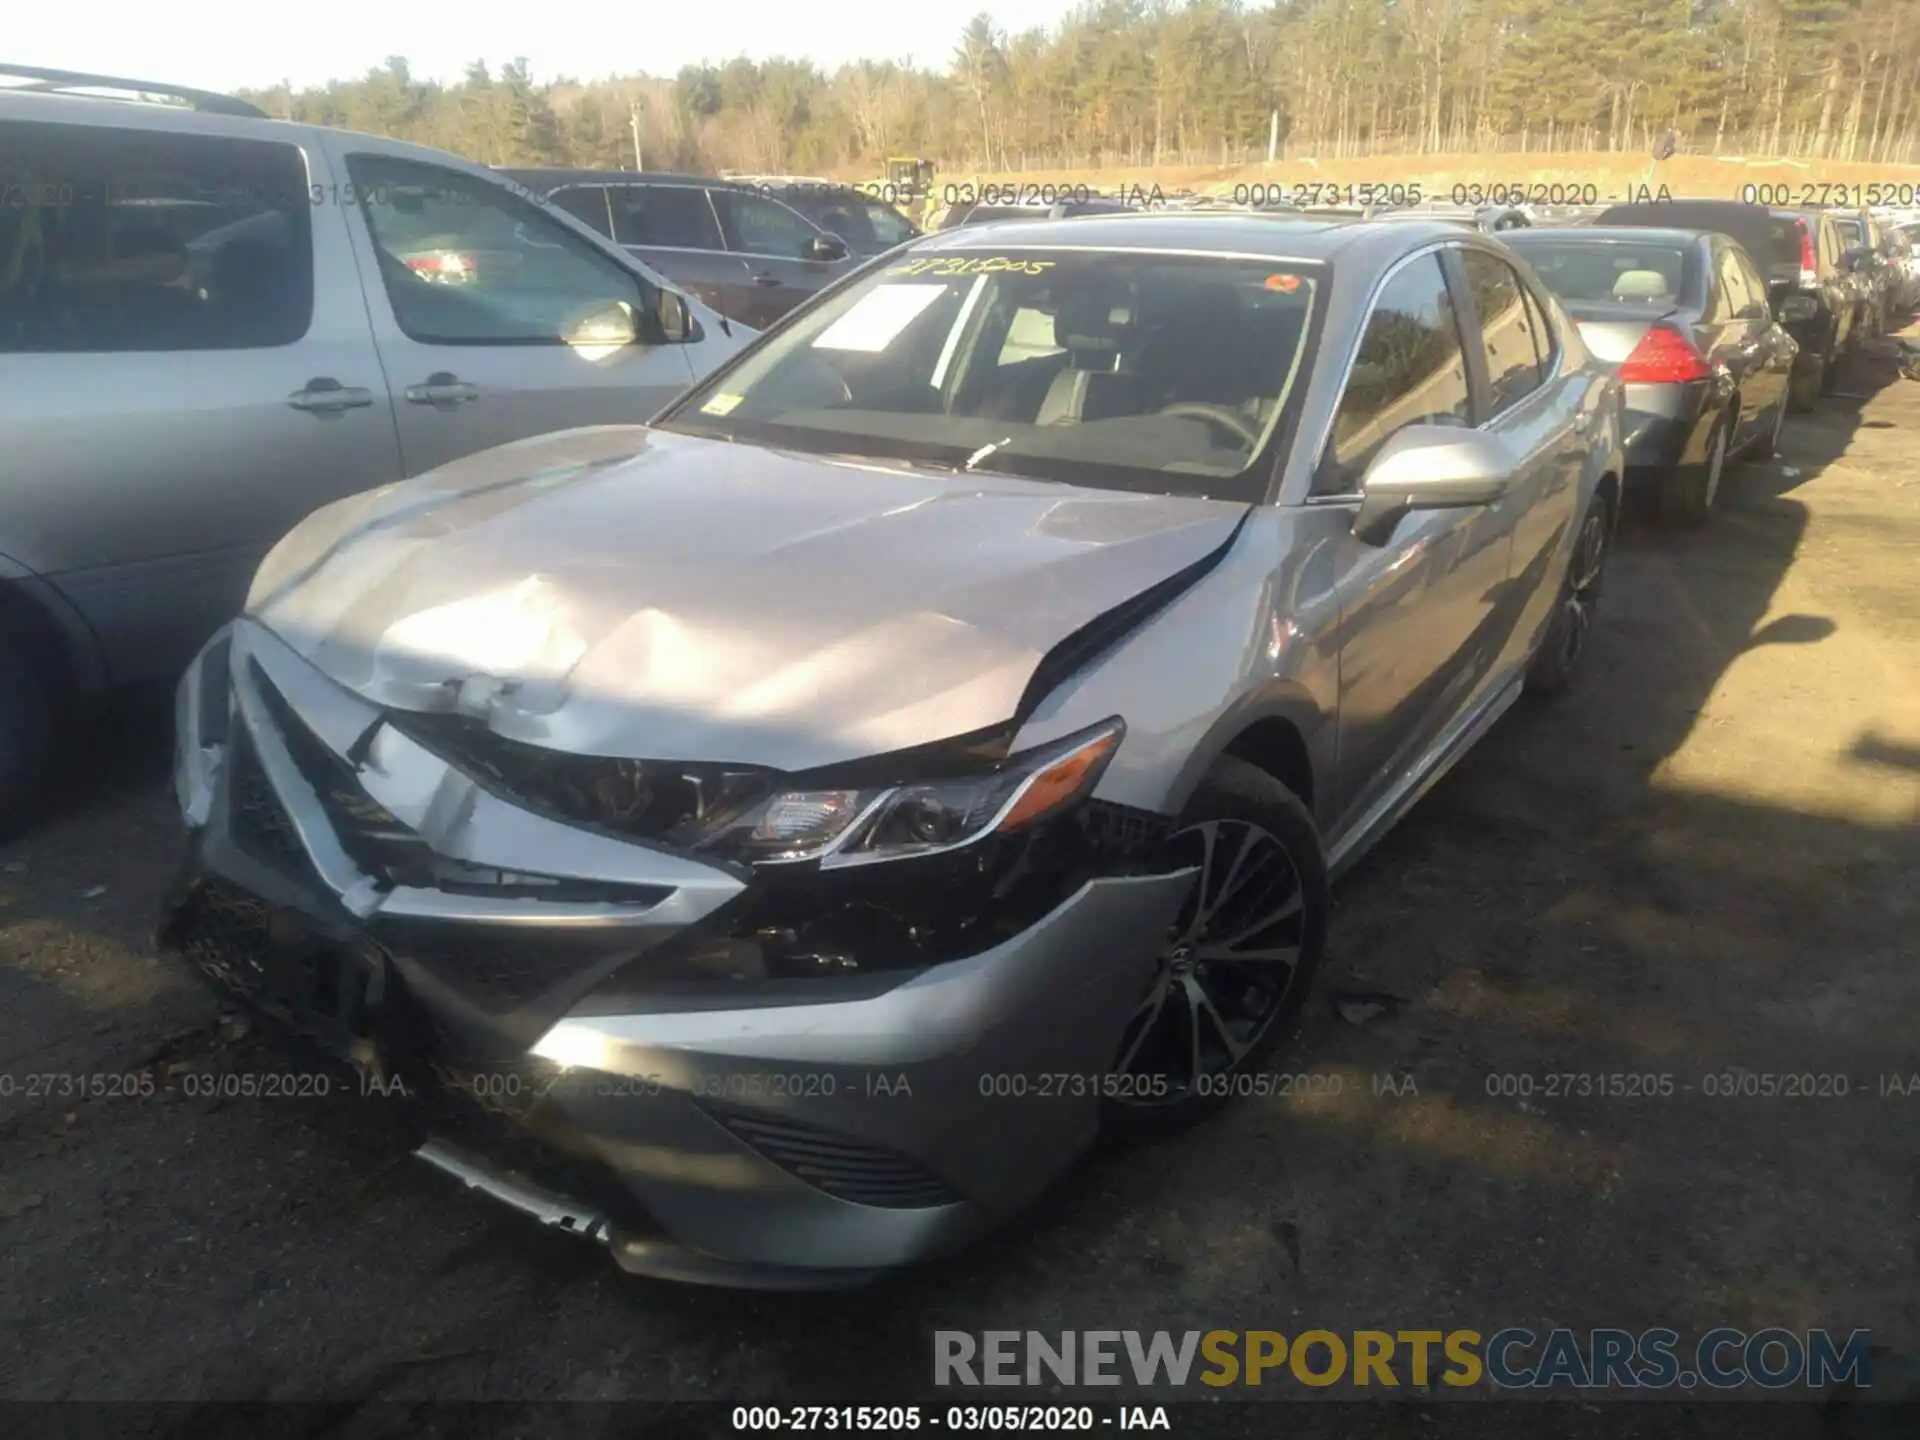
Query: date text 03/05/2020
[896, 1419]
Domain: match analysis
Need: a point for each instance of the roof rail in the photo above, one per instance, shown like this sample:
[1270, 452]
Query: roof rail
[61, 81]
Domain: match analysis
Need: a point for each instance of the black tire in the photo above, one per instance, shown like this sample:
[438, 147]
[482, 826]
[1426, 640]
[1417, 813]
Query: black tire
[1768, 445]
[1236, 799]
[1688, 496]
[26, 736]
[1558, 661]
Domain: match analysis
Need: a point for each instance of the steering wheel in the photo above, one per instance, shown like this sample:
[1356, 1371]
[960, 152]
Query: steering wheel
[1229, 420]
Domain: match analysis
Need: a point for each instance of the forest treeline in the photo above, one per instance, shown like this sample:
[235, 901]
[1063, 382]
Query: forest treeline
[1143, 82]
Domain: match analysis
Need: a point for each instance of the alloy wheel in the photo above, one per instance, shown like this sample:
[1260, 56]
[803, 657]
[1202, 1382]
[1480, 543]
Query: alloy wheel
[1229, 961]
[1583, 584]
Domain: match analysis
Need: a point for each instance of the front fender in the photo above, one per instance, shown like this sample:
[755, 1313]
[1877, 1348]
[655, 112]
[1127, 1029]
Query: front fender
[1253, 640]
[45, 606]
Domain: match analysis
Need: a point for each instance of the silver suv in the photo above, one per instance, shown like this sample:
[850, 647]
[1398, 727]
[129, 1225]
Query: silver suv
[213, 323]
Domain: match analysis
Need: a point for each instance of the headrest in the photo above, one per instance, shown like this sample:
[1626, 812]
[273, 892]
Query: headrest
[1094, 320]
[247, 271]
[1640, 285]
[142, 242]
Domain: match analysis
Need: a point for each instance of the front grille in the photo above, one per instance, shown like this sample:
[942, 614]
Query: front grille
[280, 964]
[223, 932]
[257, 820]
[667, 801]
[849, 1169]
[501, 971]
[373, 837]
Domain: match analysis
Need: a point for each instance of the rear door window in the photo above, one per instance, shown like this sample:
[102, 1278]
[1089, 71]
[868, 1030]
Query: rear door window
[673, 217]
[120, 240]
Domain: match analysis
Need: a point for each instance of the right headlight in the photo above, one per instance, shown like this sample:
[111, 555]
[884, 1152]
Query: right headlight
[856, 826]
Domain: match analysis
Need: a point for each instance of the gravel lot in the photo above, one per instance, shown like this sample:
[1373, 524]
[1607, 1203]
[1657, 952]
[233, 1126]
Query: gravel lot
[1705, 858]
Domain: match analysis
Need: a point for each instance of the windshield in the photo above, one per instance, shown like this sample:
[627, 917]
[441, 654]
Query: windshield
[1596, 270]
[1123, 370]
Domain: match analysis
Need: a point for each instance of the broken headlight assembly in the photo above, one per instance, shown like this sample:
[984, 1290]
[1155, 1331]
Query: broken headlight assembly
[853, 826]
[867, 884]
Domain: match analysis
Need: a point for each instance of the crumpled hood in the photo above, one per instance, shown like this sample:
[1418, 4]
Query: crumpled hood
[625, 591]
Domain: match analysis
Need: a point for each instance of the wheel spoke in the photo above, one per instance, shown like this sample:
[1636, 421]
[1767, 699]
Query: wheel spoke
[1223, 947]
[1147, 1016]
[1277, 954]
[1199, 1003]
[1248, 890]
[1238, 875]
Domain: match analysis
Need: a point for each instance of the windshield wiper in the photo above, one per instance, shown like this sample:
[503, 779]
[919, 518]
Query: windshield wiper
[983, 452]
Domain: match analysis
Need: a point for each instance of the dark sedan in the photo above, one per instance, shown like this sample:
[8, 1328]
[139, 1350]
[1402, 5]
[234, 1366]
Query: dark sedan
[1799, 253]
[1685, 316]
[986, 213]
[869, 225]
[745, 253]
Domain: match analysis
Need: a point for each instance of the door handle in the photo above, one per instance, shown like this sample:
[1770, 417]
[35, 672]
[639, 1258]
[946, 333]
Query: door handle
[763, 278]
[323, 395]
[442, 388]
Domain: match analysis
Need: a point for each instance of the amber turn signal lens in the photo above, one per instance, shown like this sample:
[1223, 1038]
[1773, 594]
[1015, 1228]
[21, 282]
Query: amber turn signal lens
[1062, 782]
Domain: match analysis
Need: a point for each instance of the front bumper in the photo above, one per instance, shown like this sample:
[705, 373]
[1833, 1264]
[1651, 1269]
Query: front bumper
[751, 1138]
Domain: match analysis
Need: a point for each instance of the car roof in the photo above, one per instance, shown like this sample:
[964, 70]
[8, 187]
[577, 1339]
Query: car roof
[536, 176]
[1219, 232]
[1610, 234]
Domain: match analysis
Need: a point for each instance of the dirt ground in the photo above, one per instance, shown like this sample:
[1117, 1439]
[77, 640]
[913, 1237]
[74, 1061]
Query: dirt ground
[1706, 860]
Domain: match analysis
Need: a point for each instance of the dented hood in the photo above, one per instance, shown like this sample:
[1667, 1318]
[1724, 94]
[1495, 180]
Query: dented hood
[625, 591]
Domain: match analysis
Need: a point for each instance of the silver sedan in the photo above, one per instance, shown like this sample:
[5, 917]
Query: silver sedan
[774, 841]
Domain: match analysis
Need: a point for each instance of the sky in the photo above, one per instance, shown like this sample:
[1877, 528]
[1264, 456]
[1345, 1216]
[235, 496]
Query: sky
[223, 44]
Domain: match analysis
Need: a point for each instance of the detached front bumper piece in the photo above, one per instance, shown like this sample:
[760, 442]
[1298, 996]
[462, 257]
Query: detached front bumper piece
[574, 1017]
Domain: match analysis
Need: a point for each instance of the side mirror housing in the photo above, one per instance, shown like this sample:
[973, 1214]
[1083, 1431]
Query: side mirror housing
[1856, 258]
[826, 247]
[676, 321]
[605, 327]
[1431, 467]
[1798, 307]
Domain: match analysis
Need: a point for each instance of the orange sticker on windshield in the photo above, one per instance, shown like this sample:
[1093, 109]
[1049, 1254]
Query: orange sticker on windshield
[1285, 284]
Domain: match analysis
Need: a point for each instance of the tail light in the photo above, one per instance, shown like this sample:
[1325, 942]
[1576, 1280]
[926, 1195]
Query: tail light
[1809, 266]
[444, 265]
[1664, 357]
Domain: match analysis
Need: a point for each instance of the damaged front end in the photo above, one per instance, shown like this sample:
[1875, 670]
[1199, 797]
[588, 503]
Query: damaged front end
[730, 1021]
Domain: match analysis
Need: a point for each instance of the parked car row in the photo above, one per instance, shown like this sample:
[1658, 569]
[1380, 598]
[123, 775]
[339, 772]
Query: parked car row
[212, 322]
[1722, 317]
[638, 786]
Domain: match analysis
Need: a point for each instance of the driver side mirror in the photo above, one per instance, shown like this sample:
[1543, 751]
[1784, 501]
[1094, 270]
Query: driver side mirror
[1856, 258]
[1431, 467]
[826, 247]
[603, 328]
[676, 321]
[1798, 307]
